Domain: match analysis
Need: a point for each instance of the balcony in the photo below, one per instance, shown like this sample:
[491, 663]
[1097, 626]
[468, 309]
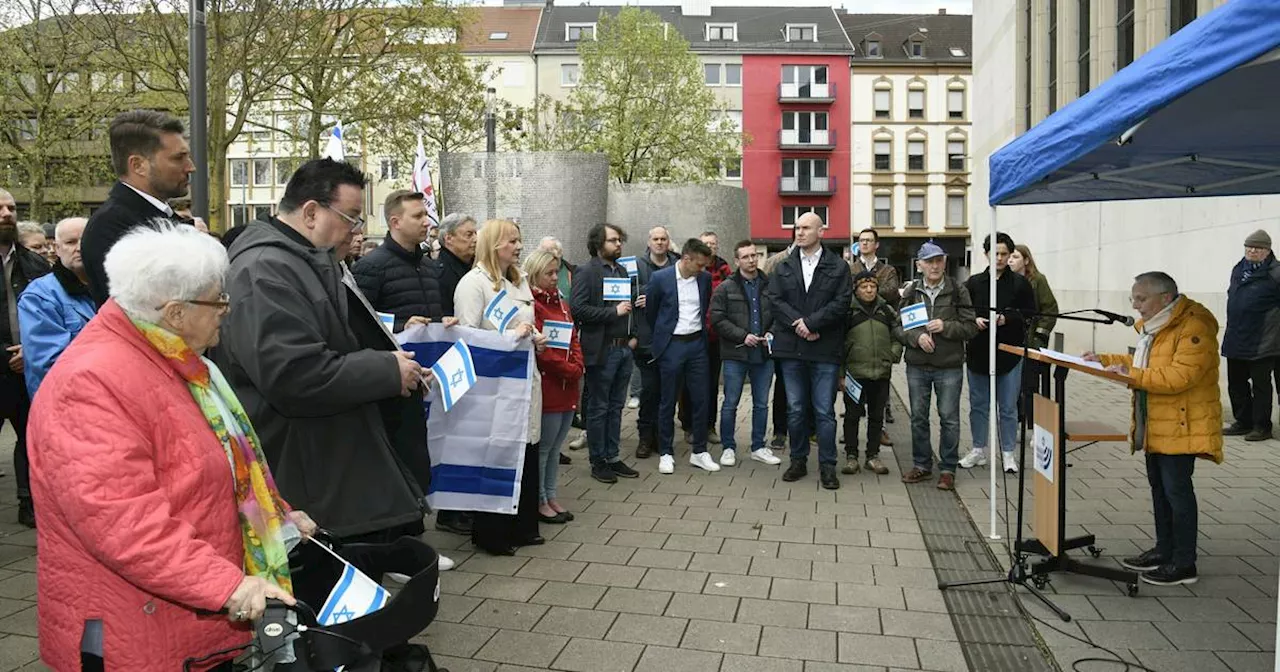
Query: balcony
[807, 141]
[806, 186]
[808, 92]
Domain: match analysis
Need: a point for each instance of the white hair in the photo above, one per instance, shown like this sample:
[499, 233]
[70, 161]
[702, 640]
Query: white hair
[161, 263]
[70, 221]
[30, 229]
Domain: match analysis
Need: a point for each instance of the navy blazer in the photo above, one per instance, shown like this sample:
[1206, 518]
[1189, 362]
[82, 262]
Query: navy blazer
[662, 306]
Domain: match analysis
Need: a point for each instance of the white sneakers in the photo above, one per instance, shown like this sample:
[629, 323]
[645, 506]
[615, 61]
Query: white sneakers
[444, 565]
[633, 403]
[728, 458]
[666, 464]
[766, 456]
[1010, 464]
[702, 461]
[976, 458]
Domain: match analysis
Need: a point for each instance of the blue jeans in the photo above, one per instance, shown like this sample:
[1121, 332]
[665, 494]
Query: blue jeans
[683, 363]
[1173, 499]
[922, 381]
[811, 385]
[735, 375]
[1007, 387]
[555, 427]
[607, 394]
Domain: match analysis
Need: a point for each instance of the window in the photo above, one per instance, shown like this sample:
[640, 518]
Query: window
[569, 74]
[1053, 57]
[262, 212]
[1181, 12]
[805, 175]
[805, 81]
[873, 49]
[884, 154]
[1124, 33]
[915, 104]
[513, 74]
[955, 155]
[805, 128]
[804, 32]
[722, 32]
[733, 74]
[883, 101]
[915, 155]
[239, 215]
[261, 172]
[957, 52]
[915, 49]
[574, 32]
[790, 213]
[883, 209]
[284, 170]
[955, 210]
[955, 104]
[239, 172]
[733, 169]
[498, 35]
[28, 128]
[388, 169]
[1083, 47]
[712, 71]
[915, 210]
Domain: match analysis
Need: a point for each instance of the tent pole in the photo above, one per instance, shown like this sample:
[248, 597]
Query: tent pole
[993, 442]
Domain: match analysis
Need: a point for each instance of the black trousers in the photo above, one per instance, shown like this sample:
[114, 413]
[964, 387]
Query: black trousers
[492, 531]
[650, 392]
[779, 401]
[14, 407]
[713, 390]
[1249, 387]
[875, 396]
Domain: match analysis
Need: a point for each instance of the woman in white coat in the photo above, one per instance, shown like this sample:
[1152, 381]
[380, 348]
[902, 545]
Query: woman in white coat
[497, 268]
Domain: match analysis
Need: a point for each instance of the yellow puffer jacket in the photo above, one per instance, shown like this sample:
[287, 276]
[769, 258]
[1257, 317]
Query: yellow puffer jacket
[1184, 407]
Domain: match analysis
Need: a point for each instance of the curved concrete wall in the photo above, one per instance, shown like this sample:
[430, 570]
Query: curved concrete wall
[686, 210]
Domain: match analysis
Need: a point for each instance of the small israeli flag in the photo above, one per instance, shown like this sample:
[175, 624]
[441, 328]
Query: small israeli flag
[914, 316]
[559, 334]
[354, 595]
[617, 289]
[456, 373]
[388, 320]
[853, 388]
[629, 263]
[501, 310]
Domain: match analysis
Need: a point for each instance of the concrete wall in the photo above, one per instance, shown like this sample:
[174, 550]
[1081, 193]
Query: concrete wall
[559, 194]
[686, 211]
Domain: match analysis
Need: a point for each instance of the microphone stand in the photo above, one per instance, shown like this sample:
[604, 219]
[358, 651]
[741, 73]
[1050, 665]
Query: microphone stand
[1019, 574]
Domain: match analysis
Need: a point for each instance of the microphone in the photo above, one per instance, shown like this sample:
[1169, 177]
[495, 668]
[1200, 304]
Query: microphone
[1126, 320]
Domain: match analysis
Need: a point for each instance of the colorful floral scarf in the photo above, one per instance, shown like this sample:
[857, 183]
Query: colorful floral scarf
[264, 523]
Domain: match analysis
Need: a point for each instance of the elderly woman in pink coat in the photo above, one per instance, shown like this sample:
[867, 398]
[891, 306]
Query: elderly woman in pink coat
[160, 530]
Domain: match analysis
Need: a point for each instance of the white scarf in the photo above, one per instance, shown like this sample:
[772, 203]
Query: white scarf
[1149, 330]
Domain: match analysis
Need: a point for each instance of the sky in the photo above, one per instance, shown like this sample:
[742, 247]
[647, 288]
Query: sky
[859, 6]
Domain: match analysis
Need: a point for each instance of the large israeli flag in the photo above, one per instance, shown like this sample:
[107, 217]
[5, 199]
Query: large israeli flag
[477, 448]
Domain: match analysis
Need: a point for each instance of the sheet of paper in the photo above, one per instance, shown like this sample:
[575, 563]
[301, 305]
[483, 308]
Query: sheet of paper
[1072, 358]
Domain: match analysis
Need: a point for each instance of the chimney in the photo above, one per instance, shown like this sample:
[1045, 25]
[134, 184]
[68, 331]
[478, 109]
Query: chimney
[942, 11]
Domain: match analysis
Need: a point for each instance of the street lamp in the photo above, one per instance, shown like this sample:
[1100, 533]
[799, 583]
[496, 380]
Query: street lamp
[490, 122]
[196, 53]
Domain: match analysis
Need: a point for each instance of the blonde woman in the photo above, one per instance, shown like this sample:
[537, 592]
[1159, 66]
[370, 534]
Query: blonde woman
[497, 268]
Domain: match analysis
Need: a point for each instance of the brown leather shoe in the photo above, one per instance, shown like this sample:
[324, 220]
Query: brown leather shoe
[947, 482]
[884, 438]
[916, 475]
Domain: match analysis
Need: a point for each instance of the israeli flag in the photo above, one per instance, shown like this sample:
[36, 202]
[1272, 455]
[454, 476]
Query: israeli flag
[617, 289]
[629, 263]
[501, 310]
[559, 334]
[456, 373]
[388, 320]
[914, 316]
[477, 449]
[853, 388]
[354, 595]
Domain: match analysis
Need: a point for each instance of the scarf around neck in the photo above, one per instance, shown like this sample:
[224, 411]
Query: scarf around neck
[267, 533]
[1142, 359]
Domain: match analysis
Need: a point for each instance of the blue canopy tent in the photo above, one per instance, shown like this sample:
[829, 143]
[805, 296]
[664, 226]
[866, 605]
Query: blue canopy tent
[1198, 115]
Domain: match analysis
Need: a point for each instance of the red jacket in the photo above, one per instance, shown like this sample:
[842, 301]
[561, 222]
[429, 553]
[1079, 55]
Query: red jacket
[720, 271]
[137, 524]
[561, 370]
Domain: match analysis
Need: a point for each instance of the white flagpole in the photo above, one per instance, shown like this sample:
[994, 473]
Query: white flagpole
[993, 444]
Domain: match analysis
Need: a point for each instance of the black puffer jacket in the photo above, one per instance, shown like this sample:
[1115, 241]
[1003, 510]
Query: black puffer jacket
[399, 281]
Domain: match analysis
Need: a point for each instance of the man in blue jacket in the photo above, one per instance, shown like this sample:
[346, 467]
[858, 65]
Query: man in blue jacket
[1251, 342]
[676, 301]
[56, 306]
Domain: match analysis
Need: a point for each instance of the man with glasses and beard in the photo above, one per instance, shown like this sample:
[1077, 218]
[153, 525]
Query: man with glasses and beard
[153, 164]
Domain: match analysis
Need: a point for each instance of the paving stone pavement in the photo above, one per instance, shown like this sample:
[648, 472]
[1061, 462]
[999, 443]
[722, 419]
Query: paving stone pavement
[1225, 622]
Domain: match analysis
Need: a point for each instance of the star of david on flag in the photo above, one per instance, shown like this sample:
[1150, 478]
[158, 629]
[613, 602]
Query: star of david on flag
[617, 289]
[353, 596]
[500, 311]
[559, 334]
[456, 372]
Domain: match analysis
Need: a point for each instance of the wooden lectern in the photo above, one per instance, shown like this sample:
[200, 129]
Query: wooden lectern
[1052, 431]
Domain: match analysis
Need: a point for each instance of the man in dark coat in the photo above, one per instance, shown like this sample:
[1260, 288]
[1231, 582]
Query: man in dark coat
[153, 164]
[21, 266]
[397, 276]
[656, 257]
[810, 292]
[456, 255]
[310, 388]
[1251, 343]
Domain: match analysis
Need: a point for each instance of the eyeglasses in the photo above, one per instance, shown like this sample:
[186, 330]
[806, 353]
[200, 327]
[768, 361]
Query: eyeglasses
[223, 302]
[356, 223]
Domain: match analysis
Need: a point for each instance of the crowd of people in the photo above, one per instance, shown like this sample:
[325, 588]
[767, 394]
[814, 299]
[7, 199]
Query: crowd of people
[150, 355]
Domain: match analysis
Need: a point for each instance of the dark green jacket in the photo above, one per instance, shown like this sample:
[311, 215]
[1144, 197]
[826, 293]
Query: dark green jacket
[870, 348]
[955, 310]
[1045, 303]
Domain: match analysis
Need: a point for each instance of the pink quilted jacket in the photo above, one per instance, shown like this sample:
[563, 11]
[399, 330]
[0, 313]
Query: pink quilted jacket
[136, 517]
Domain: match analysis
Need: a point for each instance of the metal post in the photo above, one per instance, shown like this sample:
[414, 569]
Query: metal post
[993, 435]
[199, 118]
[490, 159]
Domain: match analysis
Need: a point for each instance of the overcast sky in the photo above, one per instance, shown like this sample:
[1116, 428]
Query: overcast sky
[860, 6]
